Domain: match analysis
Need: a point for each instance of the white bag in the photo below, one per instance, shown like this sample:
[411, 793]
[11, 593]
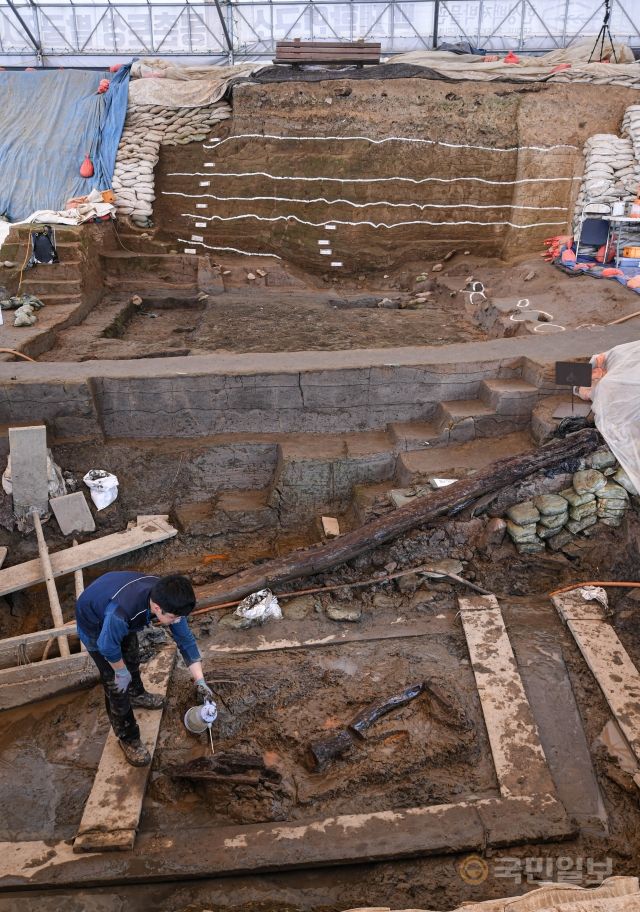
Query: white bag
[259, 606]
[103, 487]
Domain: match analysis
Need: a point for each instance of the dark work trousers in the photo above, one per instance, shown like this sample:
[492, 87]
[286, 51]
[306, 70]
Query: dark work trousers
[118, 704]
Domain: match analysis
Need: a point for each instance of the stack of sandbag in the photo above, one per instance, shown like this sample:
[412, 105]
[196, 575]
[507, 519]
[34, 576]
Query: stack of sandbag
[554, 513]
[613, 500]
[522, 521]
[609, 174]
[146, 128]
[631, 129]
[582, 499]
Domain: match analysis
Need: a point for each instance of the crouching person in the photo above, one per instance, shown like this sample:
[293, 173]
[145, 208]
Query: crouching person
[108, 615]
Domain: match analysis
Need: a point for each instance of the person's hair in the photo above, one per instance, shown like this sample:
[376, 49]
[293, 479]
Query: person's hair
[174, 594]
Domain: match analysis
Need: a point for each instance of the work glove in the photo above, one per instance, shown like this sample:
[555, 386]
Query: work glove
[203, 690]
[122, 679]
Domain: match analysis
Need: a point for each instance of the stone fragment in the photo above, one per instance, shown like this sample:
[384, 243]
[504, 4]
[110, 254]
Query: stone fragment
[575, 527]
[521, 533]
[437, 268]
[298, 608]
[137, 300]
[381, 600]
[602, 459]
[251, 277]
[583, 510]
[550, 504]
[235, 622]
[530, 275]
[330, 526]
[438, 568]
[524, 514]
[588, 481]
[494, 532]
[421, 598]
[261, 272]
[576, 500]
[554, 522]
[350, 613]
[623, 479]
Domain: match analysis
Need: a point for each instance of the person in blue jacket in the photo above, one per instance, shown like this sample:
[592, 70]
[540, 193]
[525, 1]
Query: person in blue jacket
[109, 613]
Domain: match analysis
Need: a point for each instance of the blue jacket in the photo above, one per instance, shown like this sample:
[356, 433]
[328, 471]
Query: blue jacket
[117, 604]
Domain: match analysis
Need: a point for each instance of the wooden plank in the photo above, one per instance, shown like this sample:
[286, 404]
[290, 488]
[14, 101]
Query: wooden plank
[264, 847]
[40, 680]
[519, 760]
[112, 812]
[29, 573]
[23, 649]
[607, 658]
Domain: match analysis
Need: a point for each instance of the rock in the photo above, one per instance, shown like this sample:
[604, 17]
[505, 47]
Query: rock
[381, 600]
[550, 504]
[529, 276]
[524, 514]
[560, 539]
[298, 608]
[554, 522]
[421, 598]
[577, 500]
[588, 481]
[409, 583]
[137, 300]
[623, 479]
[235, 622]
[9, 265]
[602, 459]
[437, 268]
[251, 277]
[583, 510]
[350, 613]
[261, 272]
[575, 527]
[436, 569]
[494, 533]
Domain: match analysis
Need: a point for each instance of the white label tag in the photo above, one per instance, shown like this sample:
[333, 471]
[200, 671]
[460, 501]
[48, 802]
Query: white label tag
[202, 205]
[197, 237]
[209, 164]
[189, 250]
[205, 183]
[200, 225]
[331, 227]
[326, 252]
[324, 243]
[336, 264]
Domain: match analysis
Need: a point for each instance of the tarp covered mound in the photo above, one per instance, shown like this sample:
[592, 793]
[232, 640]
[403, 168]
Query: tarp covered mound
[49, 121]
[563, 65]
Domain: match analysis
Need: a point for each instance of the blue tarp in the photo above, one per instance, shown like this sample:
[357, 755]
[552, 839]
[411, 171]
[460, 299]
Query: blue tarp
[49, 121]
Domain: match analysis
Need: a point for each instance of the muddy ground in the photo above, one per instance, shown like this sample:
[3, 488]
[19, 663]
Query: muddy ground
[268, 314]
[272, 704]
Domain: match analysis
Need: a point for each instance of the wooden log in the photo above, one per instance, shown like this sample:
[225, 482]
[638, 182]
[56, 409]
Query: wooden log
[324, 750]
[449, 500]
[379, 708]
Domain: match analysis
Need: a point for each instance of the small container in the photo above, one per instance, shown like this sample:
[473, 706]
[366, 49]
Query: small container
[634, 212]
[198, 719]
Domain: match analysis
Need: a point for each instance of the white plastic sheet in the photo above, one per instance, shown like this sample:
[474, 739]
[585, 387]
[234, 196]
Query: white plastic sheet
[616, 406]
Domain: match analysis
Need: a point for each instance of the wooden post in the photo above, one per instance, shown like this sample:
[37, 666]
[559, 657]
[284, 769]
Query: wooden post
[79, 583]
[54, 601]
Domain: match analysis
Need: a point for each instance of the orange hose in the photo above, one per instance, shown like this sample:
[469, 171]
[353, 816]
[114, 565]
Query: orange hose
[618, 585]
[11, 351]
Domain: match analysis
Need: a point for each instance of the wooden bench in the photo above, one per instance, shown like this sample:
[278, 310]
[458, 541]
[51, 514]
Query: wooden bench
[300, 53]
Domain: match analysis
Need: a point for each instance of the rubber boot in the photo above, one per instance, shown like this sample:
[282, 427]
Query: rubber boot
[135, 752]
[146, 700]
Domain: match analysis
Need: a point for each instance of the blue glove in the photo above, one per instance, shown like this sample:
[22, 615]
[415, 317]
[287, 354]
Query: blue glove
[122, 680]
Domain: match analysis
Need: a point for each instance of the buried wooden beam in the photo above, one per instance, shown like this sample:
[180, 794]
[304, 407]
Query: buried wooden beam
[214, 851]
[520, 763]
[112, 812]
[40, 680]
[148, 532]
[608, 660]
[452, 499]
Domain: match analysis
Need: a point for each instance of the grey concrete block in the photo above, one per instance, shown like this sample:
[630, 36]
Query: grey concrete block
[28, 447]
[73, 513]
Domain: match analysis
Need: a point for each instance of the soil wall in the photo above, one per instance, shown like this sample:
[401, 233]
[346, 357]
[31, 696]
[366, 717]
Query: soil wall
[247, 208]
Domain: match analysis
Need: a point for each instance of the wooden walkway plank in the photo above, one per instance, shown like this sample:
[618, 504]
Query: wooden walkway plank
[519, 760]
[607, 658]
[40, 680]
[112, 812]
[85, 555]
